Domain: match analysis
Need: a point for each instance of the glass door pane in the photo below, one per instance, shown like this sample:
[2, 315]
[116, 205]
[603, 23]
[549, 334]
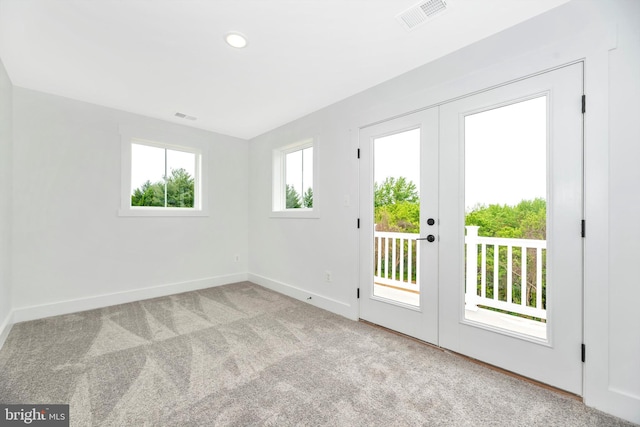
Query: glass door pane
[396, 201]
[506, 217]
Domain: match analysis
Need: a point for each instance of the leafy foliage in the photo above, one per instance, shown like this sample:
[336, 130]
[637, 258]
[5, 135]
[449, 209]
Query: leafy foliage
[396, 206]
[294, 200]
[394, 190]
[307, 199]
[526, 220]
[178, 188]
[402, 217]
[148, 194]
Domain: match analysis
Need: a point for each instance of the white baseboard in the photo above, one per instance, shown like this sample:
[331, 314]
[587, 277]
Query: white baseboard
[320, 301]
[5, 328]
[23, 314]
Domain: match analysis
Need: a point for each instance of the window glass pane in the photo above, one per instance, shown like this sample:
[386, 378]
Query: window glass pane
[147, 175]
[181, 170]
[396, 207]
[307, 177]
[299, 179]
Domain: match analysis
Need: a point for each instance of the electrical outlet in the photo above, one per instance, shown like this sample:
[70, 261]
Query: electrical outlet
[327, 276]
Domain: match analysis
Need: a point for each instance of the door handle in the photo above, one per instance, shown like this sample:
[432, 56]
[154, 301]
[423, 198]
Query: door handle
[429, 238]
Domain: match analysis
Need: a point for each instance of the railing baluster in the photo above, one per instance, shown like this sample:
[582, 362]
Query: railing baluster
[378, 255]
[393, 258]
[523, 276]
[401, 259]
[386, 258]
[379, 246]
[509, 274]
[539, 278]
[418, 269]
[409, 262]
[471, 293]
[483, 272]
[496, 272]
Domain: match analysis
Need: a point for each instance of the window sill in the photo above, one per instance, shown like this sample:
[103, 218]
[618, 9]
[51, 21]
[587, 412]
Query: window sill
[297, 213]
[162, 212]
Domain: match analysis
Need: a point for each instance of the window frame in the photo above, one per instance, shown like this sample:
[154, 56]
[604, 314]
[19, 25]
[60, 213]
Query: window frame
[167, 142]
[278, 187]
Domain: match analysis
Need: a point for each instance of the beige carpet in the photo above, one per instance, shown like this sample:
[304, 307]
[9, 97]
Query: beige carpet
[243, 355]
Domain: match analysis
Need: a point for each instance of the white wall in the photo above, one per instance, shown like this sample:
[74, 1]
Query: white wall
[71, 250]
[6, 135]
[612, 303]
[291, 255]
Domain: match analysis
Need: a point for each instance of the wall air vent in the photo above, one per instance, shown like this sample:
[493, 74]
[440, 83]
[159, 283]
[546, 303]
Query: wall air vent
[184, 116]
[421, 13]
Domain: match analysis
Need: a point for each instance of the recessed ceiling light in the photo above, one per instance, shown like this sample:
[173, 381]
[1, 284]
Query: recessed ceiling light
[236, 39]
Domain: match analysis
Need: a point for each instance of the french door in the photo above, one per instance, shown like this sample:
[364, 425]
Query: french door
[471, 226]
[400, 272]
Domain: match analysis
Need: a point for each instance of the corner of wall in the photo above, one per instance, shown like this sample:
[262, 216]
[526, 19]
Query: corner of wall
[5, 328]
[320, 301]
[6, 203]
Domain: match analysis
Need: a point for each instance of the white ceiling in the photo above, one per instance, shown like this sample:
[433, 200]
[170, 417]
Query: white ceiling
[158, 57]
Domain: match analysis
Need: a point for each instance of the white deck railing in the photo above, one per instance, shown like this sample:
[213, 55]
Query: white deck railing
[395, 259]
[473, 276]
[396, 256]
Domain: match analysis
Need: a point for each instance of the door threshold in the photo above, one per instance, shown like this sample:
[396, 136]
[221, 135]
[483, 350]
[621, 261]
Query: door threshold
[479, 362]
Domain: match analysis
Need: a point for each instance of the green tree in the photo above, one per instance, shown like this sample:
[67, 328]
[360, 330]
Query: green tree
[526, 220]
[396, 205]
[293, 198]
[401, 217]
[394, 190]
[178, 189]
[307, 198]
[148, 194]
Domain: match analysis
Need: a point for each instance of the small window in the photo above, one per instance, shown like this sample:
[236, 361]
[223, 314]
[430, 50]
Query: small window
[299, 178]
[294, 193]
[163, 177]
[160, 179]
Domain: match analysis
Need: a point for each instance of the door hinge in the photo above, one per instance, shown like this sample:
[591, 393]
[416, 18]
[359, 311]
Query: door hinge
[584, 104]
[358, 222]
[358, 153]
[358, 293]
[584, 353]
[583, 228]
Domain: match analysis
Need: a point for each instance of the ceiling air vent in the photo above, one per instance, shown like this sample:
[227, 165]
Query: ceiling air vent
[184, 116]
[421, 13]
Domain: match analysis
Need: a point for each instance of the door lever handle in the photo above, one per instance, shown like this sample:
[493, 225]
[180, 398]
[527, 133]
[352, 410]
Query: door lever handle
[429, 238]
